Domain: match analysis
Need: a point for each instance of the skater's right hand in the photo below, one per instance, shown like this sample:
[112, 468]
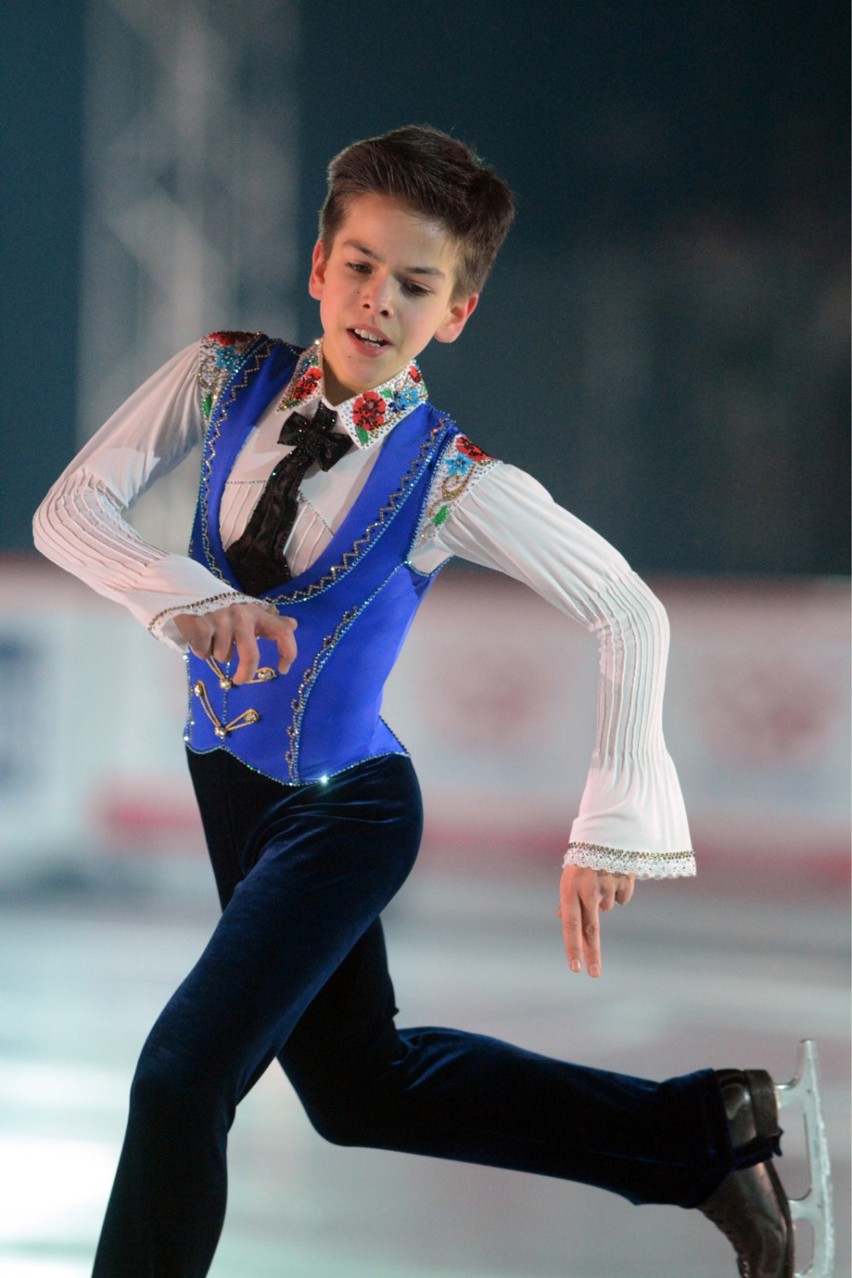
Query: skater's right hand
[216, 634]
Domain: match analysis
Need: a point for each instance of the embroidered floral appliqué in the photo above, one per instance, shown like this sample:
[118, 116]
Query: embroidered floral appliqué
[373, 414]
[306, 380]
[471, 450]
[220, 356]
[408, 397]
[368, 414]
[461, 465]
[307, 385]
[367, 417]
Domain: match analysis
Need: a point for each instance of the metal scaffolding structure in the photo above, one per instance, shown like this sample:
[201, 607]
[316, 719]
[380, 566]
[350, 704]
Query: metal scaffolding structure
[191, 128]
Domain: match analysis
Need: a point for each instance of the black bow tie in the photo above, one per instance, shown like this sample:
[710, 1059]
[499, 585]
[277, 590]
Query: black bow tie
[312, 438]
[257, 556]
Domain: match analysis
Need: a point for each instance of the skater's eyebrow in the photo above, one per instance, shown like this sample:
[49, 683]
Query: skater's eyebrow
[433, 271]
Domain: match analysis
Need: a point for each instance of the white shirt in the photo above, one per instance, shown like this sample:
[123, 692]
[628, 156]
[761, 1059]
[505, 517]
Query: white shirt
[632, 817]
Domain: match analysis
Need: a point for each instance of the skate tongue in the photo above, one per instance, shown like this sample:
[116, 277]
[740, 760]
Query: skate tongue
[755, 1150]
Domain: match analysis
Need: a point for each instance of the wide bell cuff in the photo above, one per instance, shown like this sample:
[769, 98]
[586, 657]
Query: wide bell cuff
[632, 819]
[164, 628]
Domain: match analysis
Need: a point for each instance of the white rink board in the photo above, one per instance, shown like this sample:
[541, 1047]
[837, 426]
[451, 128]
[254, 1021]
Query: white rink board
[494, 696]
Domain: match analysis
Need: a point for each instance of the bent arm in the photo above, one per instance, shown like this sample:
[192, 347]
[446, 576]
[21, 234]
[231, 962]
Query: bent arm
[80, 524]
[632, 819]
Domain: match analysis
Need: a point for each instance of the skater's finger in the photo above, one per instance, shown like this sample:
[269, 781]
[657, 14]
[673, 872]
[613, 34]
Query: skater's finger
[244, 621]
[578, 897]
[572, 920]
[624, 891]
[198, 633]
[591, 934]
[572, 932]
[280, 631]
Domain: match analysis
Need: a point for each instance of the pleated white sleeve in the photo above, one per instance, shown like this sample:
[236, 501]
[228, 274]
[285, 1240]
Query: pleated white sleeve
[632, 818]
[80, 523]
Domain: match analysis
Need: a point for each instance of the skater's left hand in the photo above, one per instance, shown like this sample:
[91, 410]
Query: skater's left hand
[583, 894]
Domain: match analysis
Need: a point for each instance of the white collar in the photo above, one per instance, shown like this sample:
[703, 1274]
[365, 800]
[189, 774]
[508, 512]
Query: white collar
[367, 417]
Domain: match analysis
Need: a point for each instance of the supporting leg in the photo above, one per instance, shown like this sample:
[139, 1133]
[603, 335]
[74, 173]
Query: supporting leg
[318, 866]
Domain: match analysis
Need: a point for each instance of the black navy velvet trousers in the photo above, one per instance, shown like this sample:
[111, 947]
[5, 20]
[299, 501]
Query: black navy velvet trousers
[296, 969]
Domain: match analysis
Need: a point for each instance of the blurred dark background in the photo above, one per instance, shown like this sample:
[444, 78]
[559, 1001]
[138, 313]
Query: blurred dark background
[665, 338]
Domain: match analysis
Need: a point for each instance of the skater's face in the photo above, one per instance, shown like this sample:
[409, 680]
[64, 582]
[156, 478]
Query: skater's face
[385, 288]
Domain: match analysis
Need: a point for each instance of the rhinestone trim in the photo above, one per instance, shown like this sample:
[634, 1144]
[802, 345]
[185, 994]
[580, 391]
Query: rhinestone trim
[339, 772]
[250, 361]
[350, 558]
[200, 607]
[461, 466]
[329, 643]
[368, 417]
[644, 865]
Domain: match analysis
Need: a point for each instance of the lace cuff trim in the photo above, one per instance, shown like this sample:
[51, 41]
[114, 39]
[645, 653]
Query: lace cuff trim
[197, 609]
[645, 865]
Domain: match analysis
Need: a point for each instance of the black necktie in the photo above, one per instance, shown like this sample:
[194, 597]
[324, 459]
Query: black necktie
[257, 556]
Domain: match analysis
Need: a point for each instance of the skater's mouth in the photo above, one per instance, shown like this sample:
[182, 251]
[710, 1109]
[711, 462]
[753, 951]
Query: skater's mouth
[369, 338]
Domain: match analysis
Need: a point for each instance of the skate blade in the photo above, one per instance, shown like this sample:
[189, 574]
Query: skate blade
[816, 1205]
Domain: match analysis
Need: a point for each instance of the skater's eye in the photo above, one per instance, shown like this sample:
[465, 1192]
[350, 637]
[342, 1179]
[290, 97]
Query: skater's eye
[413, 289]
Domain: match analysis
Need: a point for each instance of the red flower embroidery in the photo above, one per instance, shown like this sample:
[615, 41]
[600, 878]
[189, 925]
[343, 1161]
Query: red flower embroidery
[230, 338]
[415, 374]
[368, 411]
[307, 384]
[470, 450]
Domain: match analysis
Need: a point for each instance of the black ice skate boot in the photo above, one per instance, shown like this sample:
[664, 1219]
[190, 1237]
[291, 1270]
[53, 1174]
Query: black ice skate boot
[750, 1206]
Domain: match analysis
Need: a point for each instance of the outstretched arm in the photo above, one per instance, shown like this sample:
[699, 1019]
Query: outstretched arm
[80, 524]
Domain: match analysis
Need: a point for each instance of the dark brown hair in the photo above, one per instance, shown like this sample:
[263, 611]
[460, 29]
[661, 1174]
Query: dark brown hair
[439, 178]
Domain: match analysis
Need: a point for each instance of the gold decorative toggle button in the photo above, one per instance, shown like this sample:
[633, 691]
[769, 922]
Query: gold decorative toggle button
[262, 675]
[220, 729]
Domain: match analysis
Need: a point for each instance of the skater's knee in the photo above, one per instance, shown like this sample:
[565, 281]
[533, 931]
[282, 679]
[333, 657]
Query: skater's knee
[156, 1085]
[166, 1087]
[346, 1121]
[353, 1114]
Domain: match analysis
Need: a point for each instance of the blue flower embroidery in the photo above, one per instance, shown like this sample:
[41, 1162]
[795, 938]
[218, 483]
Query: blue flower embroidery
[227, 357]
[408, 397]
[458, 465]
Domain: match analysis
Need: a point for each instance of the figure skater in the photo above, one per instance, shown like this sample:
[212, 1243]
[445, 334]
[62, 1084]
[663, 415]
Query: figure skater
[332, 492]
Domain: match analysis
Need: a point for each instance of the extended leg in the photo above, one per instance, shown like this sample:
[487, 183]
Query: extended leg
[467, 1097]
[751, 1206]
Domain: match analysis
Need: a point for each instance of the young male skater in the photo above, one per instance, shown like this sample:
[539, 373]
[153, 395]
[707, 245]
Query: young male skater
[331, 493]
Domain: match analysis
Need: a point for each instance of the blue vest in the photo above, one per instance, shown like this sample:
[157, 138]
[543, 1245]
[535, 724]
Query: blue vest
[353, 606]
